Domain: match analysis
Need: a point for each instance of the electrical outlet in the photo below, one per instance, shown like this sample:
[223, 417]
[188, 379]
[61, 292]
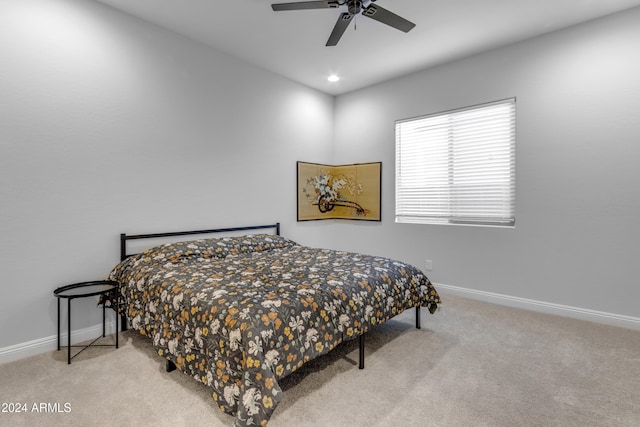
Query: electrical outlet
[428, 265]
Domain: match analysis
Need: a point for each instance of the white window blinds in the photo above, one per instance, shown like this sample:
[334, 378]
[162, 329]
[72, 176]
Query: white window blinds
[457, 167]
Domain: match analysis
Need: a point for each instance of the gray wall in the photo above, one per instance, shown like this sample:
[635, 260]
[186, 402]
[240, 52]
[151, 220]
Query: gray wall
[578, 195]
[110, 125]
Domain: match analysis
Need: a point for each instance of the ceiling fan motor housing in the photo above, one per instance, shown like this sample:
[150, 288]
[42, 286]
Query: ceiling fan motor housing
[354, 6]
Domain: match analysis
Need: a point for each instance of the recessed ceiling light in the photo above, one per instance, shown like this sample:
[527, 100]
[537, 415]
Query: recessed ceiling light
[333, 78]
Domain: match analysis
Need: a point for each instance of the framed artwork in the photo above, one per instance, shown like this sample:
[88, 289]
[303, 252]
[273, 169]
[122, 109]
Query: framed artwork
[339, 192]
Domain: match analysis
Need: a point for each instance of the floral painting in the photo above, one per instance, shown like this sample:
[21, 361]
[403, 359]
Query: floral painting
[339, 192]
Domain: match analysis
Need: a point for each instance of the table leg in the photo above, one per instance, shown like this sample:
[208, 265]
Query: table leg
[58, 323]
[104, 314]
[69, 331]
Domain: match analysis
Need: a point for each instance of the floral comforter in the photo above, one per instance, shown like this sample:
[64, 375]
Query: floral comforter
[240, 313]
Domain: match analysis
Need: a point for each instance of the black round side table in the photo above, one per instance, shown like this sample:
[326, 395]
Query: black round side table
[83, 290]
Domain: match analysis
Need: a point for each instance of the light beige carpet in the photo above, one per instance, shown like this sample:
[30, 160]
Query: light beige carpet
[472, 364]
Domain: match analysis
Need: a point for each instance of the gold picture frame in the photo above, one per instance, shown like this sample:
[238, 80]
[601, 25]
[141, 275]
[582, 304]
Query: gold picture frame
[339, 192]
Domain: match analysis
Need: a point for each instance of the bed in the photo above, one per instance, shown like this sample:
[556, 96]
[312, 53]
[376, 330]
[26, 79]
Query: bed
[238, 313]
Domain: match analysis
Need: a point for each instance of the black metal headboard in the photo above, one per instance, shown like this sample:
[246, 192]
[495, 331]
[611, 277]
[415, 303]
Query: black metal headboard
[124, 237]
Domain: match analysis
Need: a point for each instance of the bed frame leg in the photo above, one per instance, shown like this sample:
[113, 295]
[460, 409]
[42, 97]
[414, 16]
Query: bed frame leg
[170, 366]
[417, 317]
[361, 339]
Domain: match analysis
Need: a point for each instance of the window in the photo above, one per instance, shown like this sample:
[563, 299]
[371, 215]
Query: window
[457, 167]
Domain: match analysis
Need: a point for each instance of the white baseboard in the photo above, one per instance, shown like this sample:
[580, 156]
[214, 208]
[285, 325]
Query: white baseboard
[43, 345]
[543, 307]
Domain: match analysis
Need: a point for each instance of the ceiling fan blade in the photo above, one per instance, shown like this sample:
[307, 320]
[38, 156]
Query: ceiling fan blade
[383, 15]
[342, 24]
[304, 5]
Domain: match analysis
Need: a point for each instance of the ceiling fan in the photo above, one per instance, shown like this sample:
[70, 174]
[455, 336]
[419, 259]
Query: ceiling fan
[354, 7]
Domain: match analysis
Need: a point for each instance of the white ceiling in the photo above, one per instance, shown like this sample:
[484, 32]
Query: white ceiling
[292, 43]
